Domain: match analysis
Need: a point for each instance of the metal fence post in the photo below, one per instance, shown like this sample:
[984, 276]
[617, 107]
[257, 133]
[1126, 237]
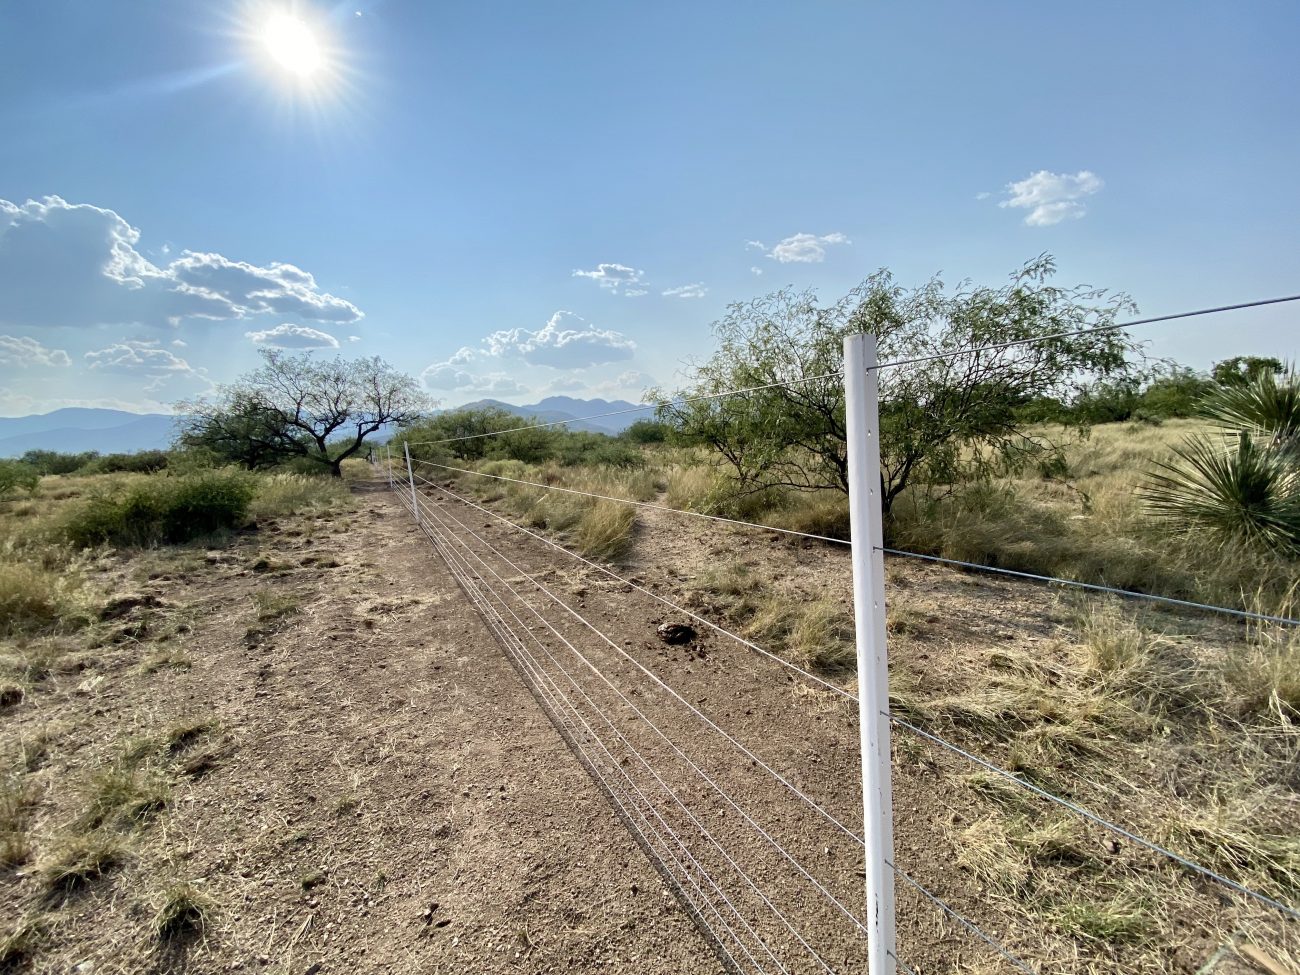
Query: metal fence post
[866, 531]
[415, 503]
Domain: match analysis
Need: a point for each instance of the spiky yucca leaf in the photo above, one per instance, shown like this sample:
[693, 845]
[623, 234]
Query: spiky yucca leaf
[1250, 492]
[1268, 405]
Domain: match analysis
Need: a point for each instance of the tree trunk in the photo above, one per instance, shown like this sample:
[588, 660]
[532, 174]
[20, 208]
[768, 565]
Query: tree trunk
[336, 468]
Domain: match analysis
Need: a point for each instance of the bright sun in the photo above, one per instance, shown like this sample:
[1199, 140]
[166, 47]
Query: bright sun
[294, 45]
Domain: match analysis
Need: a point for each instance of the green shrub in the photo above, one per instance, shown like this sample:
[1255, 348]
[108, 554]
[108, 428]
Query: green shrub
[140, 462]
[647, 431]
[54, 462]
[17, 476]
[163, 510]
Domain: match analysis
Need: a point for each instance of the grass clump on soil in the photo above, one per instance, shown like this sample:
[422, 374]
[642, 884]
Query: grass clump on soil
[80, 858]
[123, 798]
[17, 798]
[20, 943]
[183, 910]
[35, 599]
[162, 509]
[815, 633]
[279, 495]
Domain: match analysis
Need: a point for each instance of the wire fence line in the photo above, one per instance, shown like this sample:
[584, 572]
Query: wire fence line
[899, 553]
[730, 879]
[938, 740]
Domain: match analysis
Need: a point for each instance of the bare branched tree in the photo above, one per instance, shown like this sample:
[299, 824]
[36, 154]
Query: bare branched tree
[301, 406]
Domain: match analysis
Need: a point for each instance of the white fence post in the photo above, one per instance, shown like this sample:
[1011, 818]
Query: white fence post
[415, 504]
[862, 413]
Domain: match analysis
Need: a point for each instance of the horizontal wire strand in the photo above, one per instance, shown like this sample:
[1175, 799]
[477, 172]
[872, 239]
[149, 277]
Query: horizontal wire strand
[1126, 593]
[489, 613]
[709, 722]
[901, 553]
[966, 922]
[639, 504]
[627, 744]
[1010, 776]
[1094, 818]
[827, 685]
[629, 704]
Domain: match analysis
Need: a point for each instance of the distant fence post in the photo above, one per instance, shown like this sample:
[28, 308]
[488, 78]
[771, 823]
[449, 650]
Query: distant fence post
[862, 408]
[389, 447]
[415, 504]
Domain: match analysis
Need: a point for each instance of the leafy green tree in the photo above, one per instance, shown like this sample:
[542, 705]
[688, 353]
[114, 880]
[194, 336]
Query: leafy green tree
[1243, 369]
[944, 420]
[301, 406]
[15, 476]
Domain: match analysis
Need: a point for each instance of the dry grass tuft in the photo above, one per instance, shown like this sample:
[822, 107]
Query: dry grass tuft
[17, 798]
[183, 911]
[604, 530]
[123, 798]
[78, 859]
[19, 944]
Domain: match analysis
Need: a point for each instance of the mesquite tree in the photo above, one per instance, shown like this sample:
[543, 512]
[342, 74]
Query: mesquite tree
[301, 406]
[943, 420]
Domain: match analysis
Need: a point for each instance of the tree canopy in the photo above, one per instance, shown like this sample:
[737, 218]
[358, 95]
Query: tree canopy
[302, 406]
[943, 419]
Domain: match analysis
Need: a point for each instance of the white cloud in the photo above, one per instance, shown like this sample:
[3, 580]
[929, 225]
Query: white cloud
[179, 344]
[757, 245]
[1052, 197]
[635, 292]
[695, 290]
[629, 383]
[354, 338]
[462, 355]
[983, 195]
[289, 336]
[24, 352]
[64, 264]
[562, 347]
[805, 248]
[166, 371]
[611, 277]
[446, 376]
[756, 271]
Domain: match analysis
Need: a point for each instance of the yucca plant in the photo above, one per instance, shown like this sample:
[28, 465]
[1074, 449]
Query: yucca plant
[1268, 405]
[1244, 484]
[1251, 492]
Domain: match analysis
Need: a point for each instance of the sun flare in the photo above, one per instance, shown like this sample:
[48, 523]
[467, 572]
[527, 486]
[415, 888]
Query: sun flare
[293, 45]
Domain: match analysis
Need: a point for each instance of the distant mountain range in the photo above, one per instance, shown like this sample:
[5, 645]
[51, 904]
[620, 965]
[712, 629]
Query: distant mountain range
[556, 408]
[77, 429]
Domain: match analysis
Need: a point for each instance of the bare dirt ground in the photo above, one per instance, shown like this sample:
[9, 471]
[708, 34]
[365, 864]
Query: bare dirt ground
[376, 789]
[379, 793]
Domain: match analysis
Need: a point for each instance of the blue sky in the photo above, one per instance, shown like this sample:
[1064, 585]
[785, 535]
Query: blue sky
[172, 199]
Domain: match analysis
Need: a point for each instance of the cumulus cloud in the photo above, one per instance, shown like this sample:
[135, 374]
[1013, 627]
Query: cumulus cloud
[695, 290]
[24, 352]
[611, 277]
[631, 382]
[289, 336]
[148, 360]
[798, 248]
[1052, 197]
[448, 377]
[64, 264]
[566, 342]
